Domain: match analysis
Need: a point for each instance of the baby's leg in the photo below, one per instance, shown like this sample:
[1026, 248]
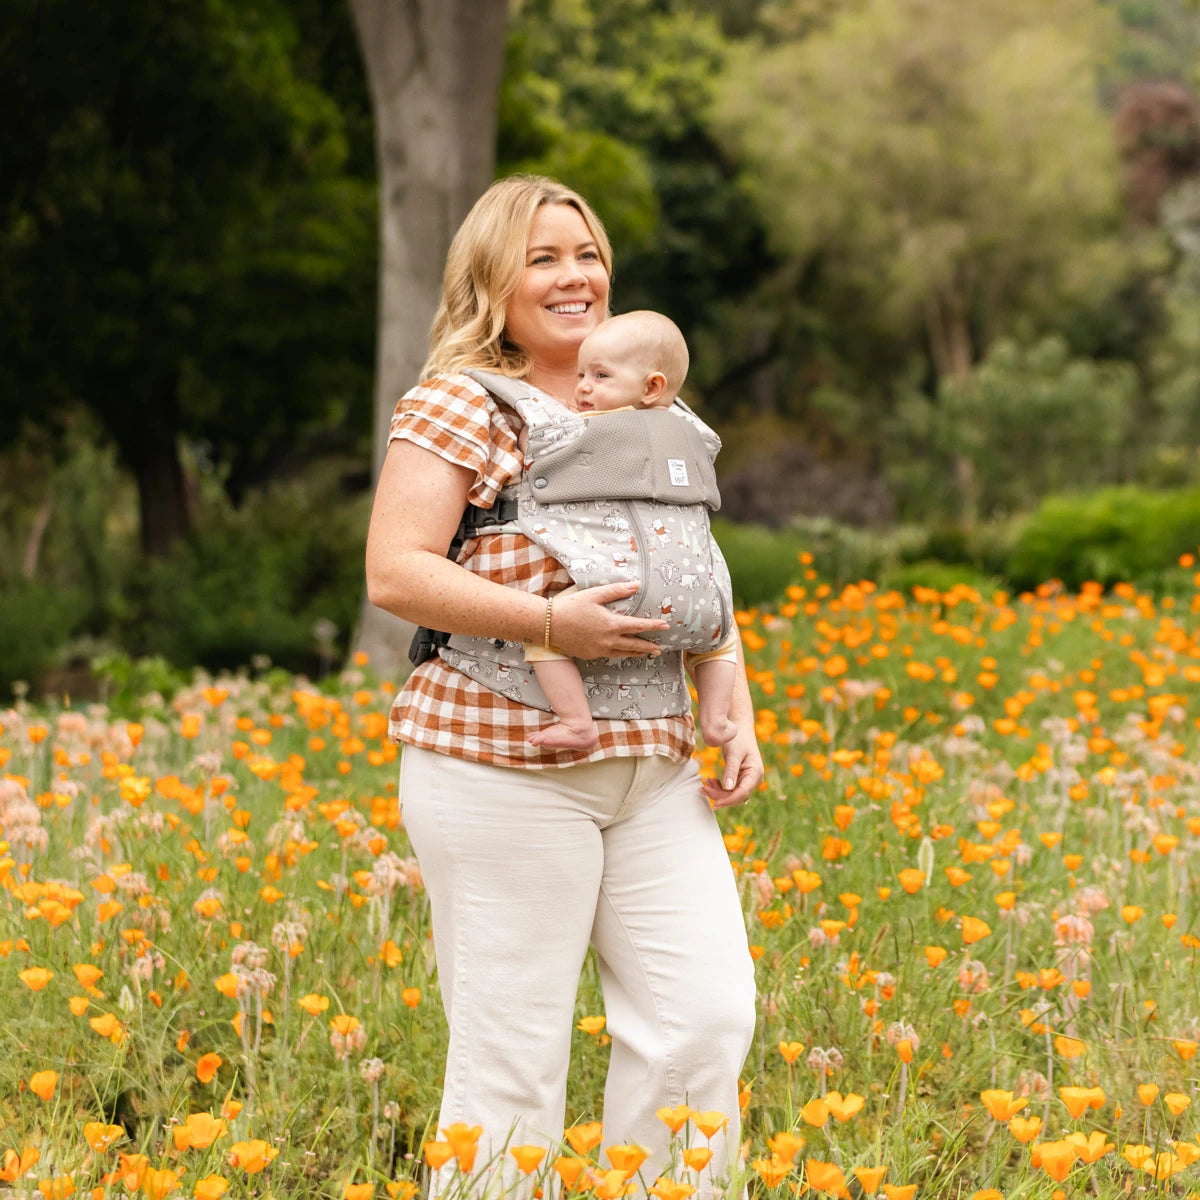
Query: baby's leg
[563, 686]
[714, 678]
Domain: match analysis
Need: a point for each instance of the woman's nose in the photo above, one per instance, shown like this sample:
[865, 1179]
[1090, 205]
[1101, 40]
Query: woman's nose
[571, 274]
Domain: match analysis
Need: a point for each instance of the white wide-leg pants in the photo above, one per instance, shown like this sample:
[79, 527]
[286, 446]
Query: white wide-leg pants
[523, 869]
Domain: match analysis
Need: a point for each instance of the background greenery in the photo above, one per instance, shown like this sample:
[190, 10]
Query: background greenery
[939, 268]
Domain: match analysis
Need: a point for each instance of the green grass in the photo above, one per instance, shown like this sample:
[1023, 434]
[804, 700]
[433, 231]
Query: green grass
[1012, 763]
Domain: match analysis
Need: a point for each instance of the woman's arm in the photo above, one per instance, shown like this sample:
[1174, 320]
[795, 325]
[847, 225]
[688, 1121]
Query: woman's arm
[419, 502]
[743, 762]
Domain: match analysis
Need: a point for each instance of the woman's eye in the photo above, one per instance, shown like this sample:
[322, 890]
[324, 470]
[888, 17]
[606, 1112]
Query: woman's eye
[539, 260]
[590, 255]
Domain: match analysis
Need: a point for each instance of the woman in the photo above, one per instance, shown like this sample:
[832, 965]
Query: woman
[529, 855]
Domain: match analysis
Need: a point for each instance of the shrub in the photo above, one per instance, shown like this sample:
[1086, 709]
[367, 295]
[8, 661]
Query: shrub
[35, 620]
[282, 577]
[1115, 534]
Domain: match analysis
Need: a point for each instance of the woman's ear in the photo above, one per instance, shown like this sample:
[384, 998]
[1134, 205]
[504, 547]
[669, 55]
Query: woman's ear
[653, 389]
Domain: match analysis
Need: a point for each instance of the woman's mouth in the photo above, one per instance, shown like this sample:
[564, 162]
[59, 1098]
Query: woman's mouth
[572, 308]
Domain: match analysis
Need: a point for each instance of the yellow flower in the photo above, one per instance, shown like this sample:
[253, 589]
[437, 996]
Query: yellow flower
[464, 1141]
[844, 1107]
[1001, 1104]
[43, 1083]
[1176, 1102]
[57, 1188]
[590, 1024]
[870, 1178]
[252, 1156]
[583, 1138]
[198, 1132]
[211, 1187]
[1089, 1147]
[697, 1158]
[1025, 1129]
[709, 1122]
[438, 1154]
[100, 1136]
[669, 1189]
[528, 1157]
[158, 1184]
[313, 1004]
[627, 1158]
[674, 1118]
[791, 1051]
[815, 1112]
[786, 1145]
[974, 930]
[35, 978]
[1055, 1158]
[358, 1191]
[824, 1176]
[773, 1170]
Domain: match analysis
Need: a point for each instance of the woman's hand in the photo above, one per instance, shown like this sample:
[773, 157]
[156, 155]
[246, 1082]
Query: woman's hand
[583, 627]
[743, 770]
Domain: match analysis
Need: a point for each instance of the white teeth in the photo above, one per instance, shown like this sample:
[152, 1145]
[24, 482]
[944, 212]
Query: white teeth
[579, 307]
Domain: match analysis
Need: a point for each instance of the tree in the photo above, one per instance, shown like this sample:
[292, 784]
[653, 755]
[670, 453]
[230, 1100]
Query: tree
[947, 166]
[185, 254]
[433, 67]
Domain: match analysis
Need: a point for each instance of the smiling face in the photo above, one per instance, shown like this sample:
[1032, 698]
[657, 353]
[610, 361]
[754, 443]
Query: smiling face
[563, 292]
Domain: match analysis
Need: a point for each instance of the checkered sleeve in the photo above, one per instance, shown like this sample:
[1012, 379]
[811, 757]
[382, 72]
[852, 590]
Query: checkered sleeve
[459, 421]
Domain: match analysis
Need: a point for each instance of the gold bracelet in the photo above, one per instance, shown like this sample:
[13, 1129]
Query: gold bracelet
[549, 614]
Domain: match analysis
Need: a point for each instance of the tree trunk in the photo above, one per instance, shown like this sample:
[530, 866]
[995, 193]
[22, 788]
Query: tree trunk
[433, 68]
[162, 491]
[950, 343]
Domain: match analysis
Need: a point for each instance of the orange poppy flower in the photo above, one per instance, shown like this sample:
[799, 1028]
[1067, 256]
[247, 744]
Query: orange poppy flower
[211, 1187]
[252, 1156]
[207, 1065]
[824, 1176]
[528, 1157]
[674, 1118]
[772, 1171]
[585, 1137]
[43, 1084]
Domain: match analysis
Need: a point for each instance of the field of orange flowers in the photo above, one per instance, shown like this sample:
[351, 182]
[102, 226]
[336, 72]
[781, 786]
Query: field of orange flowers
[967, 884]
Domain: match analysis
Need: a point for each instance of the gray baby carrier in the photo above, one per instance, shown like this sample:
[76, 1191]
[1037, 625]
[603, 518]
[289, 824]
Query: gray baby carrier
[623, 496]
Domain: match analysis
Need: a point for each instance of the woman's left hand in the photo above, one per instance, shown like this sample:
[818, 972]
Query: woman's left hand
[743, 770]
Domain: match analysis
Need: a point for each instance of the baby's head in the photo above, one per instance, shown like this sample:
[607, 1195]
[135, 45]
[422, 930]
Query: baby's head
[638, 358]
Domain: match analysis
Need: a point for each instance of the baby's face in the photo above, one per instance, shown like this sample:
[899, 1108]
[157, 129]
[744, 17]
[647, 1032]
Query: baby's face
[611, 374]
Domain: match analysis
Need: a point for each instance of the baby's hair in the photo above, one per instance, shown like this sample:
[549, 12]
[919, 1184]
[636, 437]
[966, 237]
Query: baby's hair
[658, 343]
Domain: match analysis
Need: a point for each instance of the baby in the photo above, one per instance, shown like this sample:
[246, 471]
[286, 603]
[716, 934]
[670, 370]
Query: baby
[637, 360]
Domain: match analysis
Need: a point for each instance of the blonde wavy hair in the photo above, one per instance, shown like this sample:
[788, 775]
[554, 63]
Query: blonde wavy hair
[483, 269]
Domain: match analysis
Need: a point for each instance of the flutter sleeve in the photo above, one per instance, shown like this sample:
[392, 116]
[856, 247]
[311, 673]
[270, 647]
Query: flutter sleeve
[456, 418]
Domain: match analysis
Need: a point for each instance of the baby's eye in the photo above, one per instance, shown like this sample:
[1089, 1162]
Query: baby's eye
[601, 374]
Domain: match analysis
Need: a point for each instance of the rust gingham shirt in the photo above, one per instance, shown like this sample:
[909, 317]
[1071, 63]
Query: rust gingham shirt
[442, 709]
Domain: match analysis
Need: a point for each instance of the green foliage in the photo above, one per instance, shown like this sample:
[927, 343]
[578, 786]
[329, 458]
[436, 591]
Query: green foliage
[185, 187]
[262, 580]
[612, 96]
[1115, 534]
[35, 621]
[956, 184]
[129, 684]
[1032, 421]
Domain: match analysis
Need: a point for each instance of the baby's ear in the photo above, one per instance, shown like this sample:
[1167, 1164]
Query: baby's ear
[653, 389]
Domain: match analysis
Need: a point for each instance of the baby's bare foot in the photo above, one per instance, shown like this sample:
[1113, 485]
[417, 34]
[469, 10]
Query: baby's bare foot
[565, 737]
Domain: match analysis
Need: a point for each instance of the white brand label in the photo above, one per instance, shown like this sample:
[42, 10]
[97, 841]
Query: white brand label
[677, 469]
